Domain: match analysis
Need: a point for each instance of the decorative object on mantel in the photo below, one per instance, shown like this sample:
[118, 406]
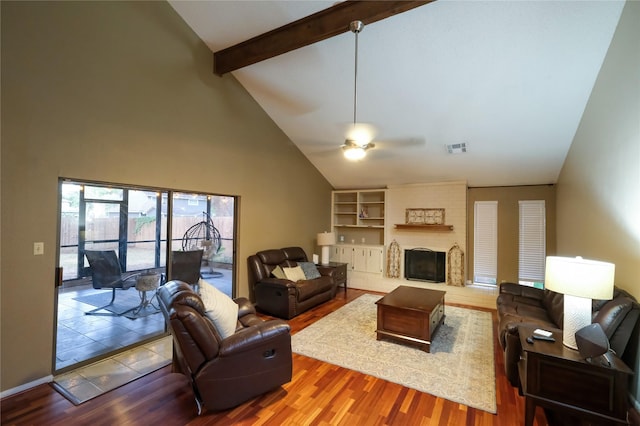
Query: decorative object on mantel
[393, 260]
[425, 216]
[455, 268]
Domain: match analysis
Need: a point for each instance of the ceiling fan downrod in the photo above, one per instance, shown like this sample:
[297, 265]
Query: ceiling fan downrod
[355, 27]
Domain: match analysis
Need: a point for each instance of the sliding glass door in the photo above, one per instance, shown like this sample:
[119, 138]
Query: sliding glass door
[97, 317]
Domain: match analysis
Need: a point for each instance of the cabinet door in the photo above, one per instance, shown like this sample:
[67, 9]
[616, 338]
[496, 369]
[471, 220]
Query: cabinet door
[374, 260]
[335, 253]
[346, 256]
[360, 255]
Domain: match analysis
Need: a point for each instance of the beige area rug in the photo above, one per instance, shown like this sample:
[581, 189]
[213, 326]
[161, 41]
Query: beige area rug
[460, 367]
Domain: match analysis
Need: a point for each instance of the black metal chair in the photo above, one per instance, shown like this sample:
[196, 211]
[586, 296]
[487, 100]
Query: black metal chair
[107, 273]
[185, 266]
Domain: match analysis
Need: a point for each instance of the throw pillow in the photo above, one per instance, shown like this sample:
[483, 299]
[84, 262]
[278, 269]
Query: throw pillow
[278, 273]
[294, 274]
[219, 308]
[310, 270]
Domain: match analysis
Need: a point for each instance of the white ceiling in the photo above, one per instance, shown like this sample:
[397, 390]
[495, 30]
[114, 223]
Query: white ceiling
[509, 78]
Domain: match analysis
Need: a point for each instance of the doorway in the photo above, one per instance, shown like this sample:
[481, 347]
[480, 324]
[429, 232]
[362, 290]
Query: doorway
[131, 225]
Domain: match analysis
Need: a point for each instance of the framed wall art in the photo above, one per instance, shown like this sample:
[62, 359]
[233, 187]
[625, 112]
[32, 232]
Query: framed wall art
[425, 216]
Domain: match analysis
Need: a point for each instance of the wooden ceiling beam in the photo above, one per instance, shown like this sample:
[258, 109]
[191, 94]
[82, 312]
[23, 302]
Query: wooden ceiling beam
[311, 29]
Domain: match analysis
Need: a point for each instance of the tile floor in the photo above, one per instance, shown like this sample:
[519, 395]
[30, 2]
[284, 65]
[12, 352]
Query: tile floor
[94, 379]
[82, 338]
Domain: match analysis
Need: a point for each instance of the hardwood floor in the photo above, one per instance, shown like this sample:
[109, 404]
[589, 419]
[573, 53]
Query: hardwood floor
[319, 394]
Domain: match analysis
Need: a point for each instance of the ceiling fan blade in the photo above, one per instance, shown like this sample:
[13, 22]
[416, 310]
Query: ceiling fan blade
[317, 148]
[401, 143]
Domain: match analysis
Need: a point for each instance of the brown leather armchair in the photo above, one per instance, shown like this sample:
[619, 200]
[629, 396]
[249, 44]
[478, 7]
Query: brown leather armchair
[281, 297]
[225, 372]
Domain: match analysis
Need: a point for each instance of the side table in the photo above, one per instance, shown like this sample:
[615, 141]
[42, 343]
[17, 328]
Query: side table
[339, 273]
[560, 379]
[144, 283]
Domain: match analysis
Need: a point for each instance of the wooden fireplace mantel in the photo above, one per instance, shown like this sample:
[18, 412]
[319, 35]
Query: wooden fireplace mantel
[423, 227]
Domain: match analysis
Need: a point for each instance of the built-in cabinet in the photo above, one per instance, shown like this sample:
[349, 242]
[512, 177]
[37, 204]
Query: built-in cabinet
[343, 254]
[358, 219]
[367, 259]
[359, 258]
[358, 216]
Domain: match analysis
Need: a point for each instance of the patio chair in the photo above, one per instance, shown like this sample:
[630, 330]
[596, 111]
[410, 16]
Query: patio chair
[185, 266]
[106, 273]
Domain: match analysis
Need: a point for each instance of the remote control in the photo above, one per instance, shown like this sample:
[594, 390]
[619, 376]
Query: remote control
[541, 332]
[540, 337]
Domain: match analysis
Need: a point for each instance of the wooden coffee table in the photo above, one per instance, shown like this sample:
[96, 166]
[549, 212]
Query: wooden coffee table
[410, 315]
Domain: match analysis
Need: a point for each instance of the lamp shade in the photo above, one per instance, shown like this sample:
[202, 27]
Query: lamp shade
[326, 239]
[579, 277]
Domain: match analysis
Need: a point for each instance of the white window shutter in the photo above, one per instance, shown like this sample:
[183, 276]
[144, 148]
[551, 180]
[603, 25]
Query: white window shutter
[485, 242]
[532, 241]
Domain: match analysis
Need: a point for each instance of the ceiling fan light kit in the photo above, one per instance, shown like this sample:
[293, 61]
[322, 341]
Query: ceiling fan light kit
[354, 151]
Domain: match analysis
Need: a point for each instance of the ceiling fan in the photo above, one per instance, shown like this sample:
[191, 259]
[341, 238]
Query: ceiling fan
[359, 140]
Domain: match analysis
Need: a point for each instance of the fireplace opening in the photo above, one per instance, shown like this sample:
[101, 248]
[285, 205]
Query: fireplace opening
[422, 264]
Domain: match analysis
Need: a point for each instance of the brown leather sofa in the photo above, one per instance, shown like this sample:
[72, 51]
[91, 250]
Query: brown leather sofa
[225, 372]
[281, 297]
[518, 304]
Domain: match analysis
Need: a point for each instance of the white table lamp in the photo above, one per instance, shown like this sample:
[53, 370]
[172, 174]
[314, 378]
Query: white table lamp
[580, 280]
[326, 239]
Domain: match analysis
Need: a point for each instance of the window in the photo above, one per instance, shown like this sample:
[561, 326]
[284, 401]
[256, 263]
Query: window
[485, 244]
[532, 247]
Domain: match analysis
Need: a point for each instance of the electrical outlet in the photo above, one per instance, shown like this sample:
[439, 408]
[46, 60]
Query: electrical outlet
[38, 249]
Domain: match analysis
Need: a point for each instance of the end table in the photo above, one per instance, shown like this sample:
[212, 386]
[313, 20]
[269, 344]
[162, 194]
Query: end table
[560, 379]
[339, 273]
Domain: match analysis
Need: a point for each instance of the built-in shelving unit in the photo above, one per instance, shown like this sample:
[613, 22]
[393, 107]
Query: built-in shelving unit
[358, 215]
[422, 227]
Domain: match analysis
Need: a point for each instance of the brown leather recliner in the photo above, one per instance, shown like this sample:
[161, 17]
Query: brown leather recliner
[225, 372]
[281, 297]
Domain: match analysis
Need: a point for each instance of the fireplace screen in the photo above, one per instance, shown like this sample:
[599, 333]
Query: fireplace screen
[424, 265]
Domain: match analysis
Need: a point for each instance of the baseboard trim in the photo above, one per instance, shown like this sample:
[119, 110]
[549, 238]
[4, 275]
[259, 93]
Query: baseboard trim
[26, 386]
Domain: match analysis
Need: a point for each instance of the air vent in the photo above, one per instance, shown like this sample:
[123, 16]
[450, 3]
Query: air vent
[457, 148]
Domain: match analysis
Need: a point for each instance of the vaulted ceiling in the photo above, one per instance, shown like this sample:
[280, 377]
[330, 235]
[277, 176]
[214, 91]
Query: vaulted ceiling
[510, 79]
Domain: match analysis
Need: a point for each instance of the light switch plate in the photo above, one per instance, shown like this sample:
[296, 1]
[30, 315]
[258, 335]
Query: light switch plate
[38, 249]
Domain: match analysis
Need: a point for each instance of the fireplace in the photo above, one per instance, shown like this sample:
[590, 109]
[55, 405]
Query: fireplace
[422, 264]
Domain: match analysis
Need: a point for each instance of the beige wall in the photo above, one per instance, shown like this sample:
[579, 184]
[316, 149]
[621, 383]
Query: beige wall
[124, 92]
[508, 223]
[599, 186]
